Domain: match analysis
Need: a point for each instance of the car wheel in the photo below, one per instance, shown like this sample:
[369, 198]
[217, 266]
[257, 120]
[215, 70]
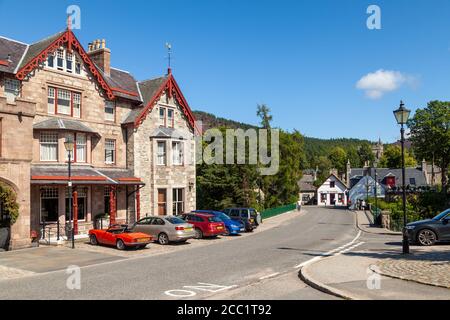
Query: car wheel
[120, 245]
[198, 234]
[93, 240]
[163, 239]
[426, 237]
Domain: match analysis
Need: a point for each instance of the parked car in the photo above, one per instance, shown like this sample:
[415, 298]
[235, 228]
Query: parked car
[428, 232]
[205, 225]
[248, 216]
[119, 236]
[233, 227]
[165, 229]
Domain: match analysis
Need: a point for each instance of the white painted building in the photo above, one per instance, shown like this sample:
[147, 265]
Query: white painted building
[333, 192]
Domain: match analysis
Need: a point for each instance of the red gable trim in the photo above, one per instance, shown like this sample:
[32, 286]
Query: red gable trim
[171, 86]
[63, 178]
[4, 63]
[128, 179]
[72, 42]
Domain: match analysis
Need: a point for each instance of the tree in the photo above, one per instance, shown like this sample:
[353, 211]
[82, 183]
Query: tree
[338, 158]
[430, 135]
[365, 153]
[8, 200]
[392, 158]
[264, 113]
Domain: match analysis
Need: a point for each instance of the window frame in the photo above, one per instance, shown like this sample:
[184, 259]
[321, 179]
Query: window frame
[180, 151]
[61, 55]
[113, 107]
[55, 98]
[114, 153]
[14, 90]
[161, 155]
[176, 192]
[55, 134]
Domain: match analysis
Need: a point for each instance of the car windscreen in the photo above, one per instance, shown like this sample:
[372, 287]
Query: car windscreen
[442, 215]
[175, 220]
[222, 216]
[214, 219]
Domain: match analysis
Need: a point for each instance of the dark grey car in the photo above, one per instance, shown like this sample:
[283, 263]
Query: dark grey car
[428, 232]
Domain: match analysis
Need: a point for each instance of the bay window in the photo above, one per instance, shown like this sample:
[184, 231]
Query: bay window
[161, 153]
[81, 148]
[177, 153]
[48, 146]
[110, 151]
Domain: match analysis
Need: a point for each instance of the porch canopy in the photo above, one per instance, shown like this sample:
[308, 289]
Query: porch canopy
[87, 175]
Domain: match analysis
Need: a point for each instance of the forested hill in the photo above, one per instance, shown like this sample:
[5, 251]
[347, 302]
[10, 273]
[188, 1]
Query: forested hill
[313, 147]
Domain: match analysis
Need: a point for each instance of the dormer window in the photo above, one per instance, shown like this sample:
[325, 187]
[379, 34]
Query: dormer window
[65, 61]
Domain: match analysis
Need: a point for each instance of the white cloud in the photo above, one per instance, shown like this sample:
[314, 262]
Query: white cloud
[376, 84]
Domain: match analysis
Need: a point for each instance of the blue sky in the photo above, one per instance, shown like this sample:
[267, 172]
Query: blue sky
[301, 58]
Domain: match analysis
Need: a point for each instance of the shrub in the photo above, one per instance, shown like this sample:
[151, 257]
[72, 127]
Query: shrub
[9, 203]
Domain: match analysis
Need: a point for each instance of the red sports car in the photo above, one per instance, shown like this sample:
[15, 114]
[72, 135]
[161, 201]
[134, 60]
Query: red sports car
[119, 236]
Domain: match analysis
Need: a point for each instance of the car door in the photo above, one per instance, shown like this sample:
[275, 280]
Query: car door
[157, 226]
[109, 237]
[144, 226]
[444, 228]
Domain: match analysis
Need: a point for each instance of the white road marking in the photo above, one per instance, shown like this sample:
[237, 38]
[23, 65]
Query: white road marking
[202, 286]
[269, 276]
[333, 252]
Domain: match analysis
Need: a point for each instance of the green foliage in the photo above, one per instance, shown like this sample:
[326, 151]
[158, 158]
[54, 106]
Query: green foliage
[392, 158]
[365, 154]
[9, 202]
[338, 158]
[430, 135]
[264, 113]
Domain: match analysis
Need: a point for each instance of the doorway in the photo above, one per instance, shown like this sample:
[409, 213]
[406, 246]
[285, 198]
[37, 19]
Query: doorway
[162, 202]
[332, 199]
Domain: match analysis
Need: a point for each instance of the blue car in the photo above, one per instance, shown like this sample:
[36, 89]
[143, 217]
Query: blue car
[233, 227]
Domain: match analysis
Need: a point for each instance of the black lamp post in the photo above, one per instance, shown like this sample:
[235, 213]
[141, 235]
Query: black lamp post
[69, 144]
[402, 115]
[375, 165]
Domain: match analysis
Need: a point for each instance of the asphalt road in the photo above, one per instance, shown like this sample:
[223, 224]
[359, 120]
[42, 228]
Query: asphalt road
[261, 266]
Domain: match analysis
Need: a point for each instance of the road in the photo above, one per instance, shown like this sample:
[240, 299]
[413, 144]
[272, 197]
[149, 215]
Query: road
[261, 266]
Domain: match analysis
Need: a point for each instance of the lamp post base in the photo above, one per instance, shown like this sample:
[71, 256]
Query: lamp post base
[405, 244]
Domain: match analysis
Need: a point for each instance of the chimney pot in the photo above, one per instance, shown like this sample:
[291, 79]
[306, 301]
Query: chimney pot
[101, 55]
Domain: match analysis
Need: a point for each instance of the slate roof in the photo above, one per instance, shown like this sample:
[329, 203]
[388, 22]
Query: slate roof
[62, 124]
[305, 187]
[167, 133]
[13, 48]
[148, 90]
[81, 174]
[35, 48]
[123, 80]
[415, 173]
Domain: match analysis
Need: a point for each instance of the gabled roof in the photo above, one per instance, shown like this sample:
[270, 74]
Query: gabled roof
[37, 47]
[337, 179]
[151, 91]
[410, 173]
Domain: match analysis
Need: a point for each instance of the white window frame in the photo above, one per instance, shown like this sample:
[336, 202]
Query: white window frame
[76, 66]
[162, 118]
[161, 155]
[65, 95]
[81, 146]
[48, 139]
[12, 89]
[176, 200]
[110, 145]
[110, 105]
[76, 104]
[177, 153]
[170, 120]
[51, 96]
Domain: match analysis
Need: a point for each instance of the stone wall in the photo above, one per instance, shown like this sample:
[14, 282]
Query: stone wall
[169, 176]
[15, 158]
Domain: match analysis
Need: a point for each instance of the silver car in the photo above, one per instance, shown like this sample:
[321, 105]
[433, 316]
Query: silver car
[165, 229]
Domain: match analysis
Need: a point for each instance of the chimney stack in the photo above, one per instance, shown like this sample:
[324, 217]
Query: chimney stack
[100, 55]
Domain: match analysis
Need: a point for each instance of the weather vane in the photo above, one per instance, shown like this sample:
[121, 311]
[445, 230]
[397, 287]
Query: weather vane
[169, 52]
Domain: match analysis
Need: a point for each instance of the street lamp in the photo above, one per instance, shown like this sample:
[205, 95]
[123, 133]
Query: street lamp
[375, 165]
[69, 144]
[402, 115]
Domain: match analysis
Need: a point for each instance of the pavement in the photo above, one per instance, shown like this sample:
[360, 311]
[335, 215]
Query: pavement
[260, 265]
[376, 269]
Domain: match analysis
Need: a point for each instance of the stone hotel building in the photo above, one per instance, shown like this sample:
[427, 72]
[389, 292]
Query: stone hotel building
[134, 144]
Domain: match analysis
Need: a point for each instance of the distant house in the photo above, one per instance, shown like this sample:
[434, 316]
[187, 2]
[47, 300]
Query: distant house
[307, 192]
[390, 178]
[364, 188]
[333, 192]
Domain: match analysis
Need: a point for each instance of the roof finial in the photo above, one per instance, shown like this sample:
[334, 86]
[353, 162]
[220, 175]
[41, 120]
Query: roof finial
[169, 53]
